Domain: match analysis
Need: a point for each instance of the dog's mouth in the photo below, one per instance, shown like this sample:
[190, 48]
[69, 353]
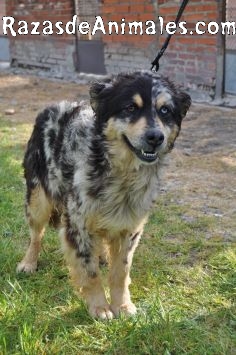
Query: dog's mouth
[146, 156]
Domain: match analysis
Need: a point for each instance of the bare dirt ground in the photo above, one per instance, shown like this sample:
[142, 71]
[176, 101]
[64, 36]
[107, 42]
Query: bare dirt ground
[202, 169]
[204, 173]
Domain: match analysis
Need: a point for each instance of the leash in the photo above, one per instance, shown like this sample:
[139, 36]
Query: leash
[155, 63]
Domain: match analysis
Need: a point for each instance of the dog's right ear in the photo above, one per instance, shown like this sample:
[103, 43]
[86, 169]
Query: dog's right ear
[98, 92]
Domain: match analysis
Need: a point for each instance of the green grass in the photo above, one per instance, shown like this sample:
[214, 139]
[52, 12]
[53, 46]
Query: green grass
[183, 283]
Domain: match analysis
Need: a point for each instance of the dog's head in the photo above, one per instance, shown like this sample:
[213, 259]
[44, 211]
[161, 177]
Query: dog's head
[140, 113]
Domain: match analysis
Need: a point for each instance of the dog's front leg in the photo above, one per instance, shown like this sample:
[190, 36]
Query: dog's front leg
[121, 253]
[81, 253]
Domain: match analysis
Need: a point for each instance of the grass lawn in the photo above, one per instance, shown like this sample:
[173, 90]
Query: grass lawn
[183, 282]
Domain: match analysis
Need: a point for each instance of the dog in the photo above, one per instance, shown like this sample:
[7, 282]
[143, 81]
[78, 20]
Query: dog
[96, 167]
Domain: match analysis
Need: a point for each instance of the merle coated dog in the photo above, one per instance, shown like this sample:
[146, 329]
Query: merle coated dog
[96, 167]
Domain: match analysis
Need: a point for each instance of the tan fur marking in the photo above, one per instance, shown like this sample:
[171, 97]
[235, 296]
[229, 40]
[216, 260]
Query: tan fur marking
[164, 128]
[39, 207]
[170, 132]
[163, 99]
[111, 131]
[136, 129]
[120, 153]
[115, 128]
[38, 214]
[138, 100]
[173, 134]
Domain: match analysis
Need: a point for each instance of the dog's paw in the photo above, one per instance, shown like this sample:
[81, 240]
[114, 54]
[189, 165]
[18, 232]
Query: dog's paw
[27, 267]
[101, 312]
[127, 309]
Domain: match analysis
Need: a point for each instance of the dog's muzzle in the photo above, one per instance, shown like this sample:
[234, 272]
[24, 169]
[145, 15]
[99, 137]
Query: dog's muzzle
[150, 144]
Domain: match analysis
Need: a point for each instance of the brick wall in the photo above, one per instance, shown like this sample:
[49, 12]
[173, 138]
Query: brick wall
[189, 59]
[126, 52]
[231, 16]
[43, 51]
[2, 13]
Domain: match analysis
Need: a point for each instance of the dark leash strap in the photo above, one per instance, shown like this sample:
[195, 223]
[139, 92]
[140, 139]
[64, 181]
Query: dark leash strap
[155, 63]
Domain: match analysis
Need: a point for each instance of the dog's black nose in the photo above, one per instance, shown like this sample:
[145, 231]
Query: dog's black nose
[154, 137]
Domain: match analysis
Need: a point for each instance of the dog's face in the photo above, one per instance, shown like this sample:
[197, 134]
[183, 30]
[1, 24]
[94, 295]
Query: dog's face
[140, 113]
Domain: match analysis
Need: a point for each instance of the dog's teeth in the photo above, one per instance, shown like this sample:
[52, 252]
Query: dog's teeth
[148, 155]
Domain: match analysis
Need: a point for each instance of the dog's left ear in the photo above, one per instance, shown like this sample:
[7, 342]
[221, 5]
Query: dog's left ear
[184, 102]
[98, 91]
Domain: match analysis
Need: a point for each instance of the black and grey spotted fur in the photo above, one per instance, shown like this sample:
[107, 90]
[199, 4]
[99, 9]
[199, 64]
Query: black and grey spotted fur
[97, 167]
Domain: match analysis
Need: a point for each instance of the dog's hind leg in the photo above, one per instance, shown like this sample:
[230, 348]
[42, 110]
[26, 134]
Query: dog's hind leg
[38, 211]
[121, 255]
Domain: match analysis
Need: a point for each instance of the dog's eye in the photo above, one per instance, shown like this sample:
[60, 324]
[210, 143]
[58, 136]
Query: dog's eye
[164, 110]
[131, 108]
